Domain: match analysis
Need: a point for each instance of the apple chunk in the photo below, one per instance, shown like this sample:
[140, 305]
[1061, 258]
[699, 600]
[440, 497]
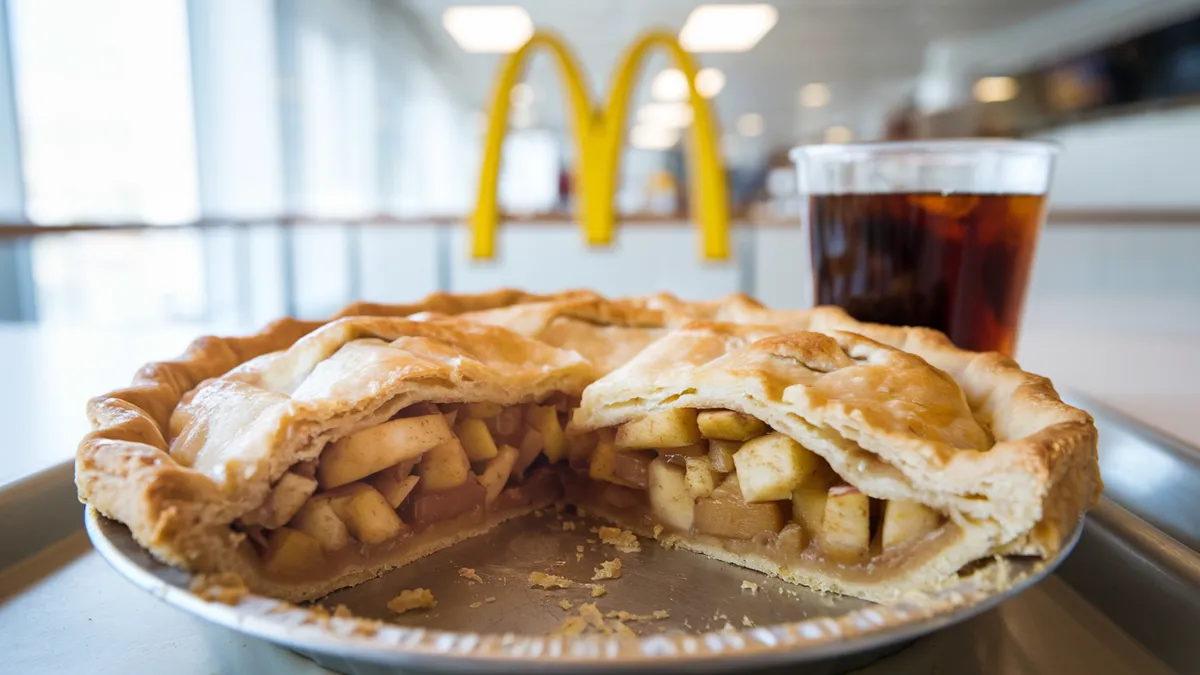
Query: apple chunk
[291, 553]
[318, 520]
[496, 472]
[671, 428]
[445, 466]
[720, 453]
[363, 453]
[545, 420]
[701, 478]
[530, 447]
[906, 520]
[808, 500]
[475, 438]
[727, 425]
[808, 509]
[632, 468]
[366, 512]
[846, 529]
[725, 513]
[425, 508]
[395, 483]
[507, 424]
[770, 466]
[669, 496]
[283, 502]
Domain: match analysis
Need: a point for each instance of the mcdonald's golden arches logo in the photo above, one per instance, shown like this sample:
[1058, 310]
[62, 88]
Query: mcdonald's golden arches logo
[599, 138]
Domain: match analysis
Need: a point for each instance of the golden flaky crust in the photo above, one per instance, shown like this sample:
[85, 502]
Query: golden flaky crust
[196, 442]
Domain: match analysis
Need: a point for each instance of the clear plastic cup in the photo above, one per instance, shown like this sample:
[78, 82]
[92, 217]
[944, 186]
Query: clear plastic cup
[927, 233]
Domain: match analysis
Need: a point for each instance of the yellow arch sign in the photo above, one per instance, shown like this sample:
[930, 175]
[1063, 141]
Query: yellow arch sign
[599, 138]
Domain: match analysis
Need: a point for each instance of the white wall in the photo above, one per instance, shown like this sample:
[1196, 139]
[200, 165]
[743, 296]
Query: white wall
[551, 257]
[1141, 161]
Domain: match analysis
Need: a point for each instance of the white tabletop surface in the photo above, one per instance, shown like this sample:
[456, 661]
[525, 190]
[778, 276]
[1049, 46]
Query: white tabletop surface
[49, 373]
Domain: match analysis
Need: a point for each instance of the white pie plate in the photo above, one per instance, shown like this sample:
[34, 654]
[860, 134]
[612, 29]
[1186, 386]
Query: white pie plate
[790, 624]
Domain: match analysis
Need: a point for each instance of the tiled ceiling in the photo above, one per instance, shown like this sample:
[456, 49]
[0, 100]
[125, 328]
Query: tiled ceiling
[868, 51]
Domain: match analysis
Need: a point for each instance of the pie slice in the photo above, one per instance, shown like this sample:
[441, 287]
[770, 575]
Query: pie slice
[367, 443]
[864, 459]
[833, 460]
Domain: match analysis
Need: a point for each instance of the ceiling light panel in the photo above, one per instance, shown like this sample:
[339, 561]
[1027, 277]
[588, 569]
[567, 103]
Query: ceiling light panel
[521, 95]
[709, 82]
[493, 29]
[814, 95]
[995, 89]
[750, 125]
[838, 134]
[727, 28]
[675, 115]
[647, 137]
[670, 84]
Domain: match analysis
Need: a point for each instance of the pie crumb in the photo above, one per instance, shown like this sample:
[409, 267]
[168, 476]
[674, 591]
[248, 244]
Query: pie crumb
[750, 586]
[549, 581]
[622, 630]
[657, 530]
[568, 526]
[609, 569]
[469, 573]
[342, 612]
[623, 540]
[416, 598]
[490, 598]
[565, 604]
[578, 557]
[581, 512]
[475, 605]
[227, 588]
[598, 591]
[622, 615]
[572, 625]
[747, 621]
[589, 613]
[728, 628]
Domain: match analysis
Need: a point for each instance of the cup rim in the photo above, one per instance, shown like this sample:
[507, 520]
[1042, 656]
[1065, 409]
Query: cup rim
[1047, 149]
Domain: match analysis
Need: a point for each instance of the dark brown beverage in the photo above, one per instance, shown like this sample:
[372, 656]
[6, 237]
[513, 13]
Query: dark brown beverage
[955, 262]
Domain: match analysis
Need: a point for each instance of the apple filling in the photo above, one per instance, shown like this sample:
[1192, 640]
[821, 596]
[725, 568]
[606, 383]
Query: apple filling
[724, 477]
[429, 472]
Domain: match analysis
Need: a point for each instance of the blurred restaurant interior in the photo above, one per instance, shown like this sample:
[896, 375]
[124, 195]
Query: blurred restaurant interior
[227, 162]
[172, 168]
[214, 153]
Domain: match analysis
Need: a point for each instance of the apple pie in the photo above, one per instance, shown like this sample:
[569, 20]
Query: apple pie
[856, 458]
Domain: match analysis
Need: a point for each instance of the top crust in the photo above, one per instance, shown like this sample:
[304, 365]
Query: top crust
[196, 442]
[607, 333]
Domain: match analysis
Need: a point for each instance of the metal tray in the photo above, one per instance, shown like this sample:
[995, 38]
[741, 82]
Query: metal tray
[780, 624]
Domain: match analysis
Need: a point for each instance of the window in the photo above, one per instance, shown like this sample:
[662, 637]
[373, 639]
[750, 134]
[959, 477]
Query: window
[105, 110]
[104, 107]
